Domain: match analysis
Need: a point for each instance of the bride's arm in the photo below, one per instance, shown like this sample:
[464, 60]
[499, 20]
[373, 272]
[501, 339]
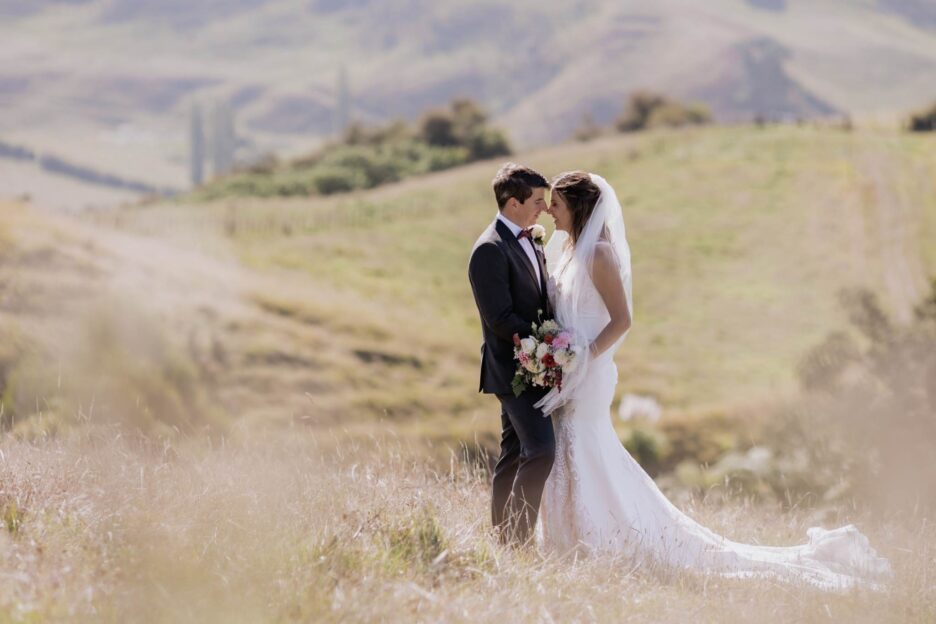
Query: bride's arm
[607, 279]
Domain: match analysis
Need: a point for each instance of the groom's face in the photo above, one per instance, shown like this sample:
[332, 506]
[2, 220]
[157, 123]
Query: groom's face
[533, 207]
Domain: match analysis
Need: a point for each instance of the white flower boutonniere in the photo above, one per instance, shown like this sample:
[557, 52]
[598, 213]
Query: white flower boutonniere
[538, 234]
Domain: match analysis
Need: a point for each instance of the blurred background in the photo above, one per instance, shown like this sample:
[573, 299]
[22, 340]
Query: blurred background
[234, 238]
[110, 98]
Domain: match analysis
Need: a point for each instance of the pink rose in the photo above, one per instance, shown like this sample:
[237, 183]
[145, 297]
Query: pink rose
[562, 341]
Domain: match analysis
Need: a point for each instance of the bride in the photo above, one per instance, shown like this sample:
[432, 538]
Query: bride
[597, 498]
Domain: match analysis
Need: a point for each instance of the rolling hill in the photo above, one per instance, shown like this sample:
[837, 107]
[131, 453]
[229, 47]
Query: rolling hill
[109, 83]
[345, 310]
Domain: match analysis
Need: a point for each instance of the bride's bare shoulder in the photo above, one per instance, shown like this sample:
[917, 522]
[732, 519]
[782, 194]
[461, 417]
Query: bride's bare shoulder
[605, 256]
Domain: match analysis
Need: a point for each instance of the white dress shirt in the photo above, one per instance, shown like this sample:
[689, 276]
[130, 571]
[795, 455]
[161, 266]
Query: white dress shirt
[526, 243]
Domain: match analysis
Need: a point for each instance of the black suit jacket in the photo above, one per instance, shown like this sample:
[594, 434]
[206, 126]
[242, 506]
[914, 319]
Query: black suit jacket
[509, 300]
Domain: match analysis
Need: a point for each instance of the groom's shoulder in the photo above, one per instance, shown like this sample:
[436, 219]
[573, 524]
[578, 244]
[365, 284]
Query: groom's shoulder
[487, 251]
[489, 237]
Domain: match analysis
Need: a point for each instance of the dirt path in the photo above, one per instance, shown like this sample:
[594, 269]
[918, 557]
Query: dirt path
[60, 272]
[894, 231]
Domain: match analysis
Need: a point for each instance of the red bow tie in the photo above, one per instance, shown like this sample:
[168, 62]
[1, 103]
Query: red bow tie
[525, 233]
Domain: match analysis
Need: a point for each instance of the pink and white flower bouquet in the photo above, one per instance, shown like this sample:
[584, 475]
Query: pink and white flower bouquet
[543, 357]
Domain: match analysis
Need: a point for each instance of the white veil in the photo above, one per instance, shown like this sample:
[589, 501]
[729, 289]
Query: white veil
[571, 265]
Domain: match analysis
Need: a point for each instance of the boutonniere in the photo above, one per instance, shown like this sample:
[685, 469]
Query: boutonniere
[538, 234]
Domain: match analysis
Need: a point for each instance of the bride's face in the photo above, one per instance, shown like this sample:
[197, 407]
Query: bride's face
[559, 211]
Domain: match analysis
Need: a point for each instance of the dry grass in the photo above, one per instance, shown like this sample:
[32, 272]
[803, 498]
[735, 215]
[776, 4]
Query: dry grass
[740, 238]
[305, 525]
[364, 318]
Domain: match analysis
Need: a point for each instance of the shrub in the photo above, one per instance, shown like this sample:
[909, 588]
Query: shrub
[367, 166]
[646, 110]
[675, 115]
[638, 110]
[487, 143]
[869, 412]
[923, 121]
[440, 158]
[334, 180]
[438, 128]
[368, 157]
[649, 447]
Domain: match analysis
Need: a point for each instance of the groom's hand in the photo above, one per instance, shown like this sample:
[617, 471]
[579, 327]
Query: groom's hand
[490, 281]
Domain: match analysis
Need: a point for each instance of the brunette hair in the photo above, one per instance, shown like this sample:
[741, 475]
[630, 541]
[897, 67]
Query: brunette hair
[513, 180]
[580, 195]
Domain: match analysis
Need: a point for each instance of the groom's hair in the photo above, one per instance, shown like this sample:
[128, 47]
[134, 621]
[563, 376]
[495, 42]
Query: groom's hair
[513, 180]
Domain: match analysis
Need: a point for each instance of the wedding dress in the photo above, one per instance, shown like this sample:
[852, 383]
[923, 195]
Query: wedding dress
[598, 499]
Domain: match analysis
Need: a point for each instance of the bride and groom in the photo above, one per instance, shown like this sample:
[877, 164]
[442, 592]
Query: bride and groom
[563, 478]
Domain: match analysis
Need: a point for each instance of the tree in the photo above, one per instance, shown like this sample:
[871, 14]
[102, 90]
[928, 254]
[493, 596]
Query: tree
[342, 102]
[223, 139]
[196, 146]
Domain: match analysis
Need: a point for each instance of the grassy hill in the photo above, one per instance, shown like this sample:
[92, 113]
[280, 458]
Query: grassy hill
[72, 84]
[347, 324]
[345, 309]
[740, 239]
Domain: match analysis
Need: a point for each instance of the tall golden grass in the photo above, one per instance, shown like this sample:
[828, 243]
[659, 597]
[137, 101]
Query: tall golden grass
[306, 525]
[357, 326]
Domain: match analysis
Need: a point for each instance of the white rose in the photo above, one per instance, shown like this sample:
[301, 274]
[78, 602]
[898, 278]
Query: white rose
[542, 350]
[528, 345]
[538, 231]
[561, 357]
[550, 326]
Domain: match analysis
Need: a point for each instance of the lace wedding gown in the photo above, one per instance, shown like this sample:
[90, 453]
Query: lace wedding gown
[598, 499]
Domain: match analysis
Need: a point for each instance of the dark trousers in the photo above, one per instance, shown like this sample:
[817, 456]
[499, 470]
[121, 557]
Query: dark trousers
[528, 447]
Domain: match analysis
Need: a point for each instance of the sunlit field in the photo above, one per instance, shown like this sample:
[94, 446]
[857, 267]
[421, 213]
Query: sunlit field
[292, 526]
[265, 410]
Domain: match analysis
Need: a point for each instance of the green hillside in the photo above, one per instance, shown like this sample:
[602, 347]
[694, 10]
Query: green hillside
[344, 310]
[278, 64]
[741, 238]
[330, 345]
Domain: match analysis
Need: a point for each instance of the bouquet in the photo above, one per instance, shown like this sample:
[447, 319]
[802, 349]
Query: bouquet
[543, 357]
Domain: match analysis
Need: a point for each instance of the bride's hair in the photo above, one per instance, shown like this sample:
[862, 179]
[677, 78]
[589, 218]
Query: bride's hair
[580, 195]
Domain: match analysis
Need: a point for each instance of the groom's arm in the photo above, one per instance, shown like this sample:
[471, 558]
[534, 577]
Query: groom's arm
[490, 282]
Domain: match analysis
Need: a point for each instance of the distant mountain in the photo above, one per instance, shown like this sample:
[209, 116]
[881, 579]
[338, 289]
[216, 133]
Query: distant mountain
[109, 83]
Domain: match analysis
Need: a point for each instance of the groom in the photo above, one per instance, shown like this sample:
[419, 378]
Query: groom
[508, 278]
